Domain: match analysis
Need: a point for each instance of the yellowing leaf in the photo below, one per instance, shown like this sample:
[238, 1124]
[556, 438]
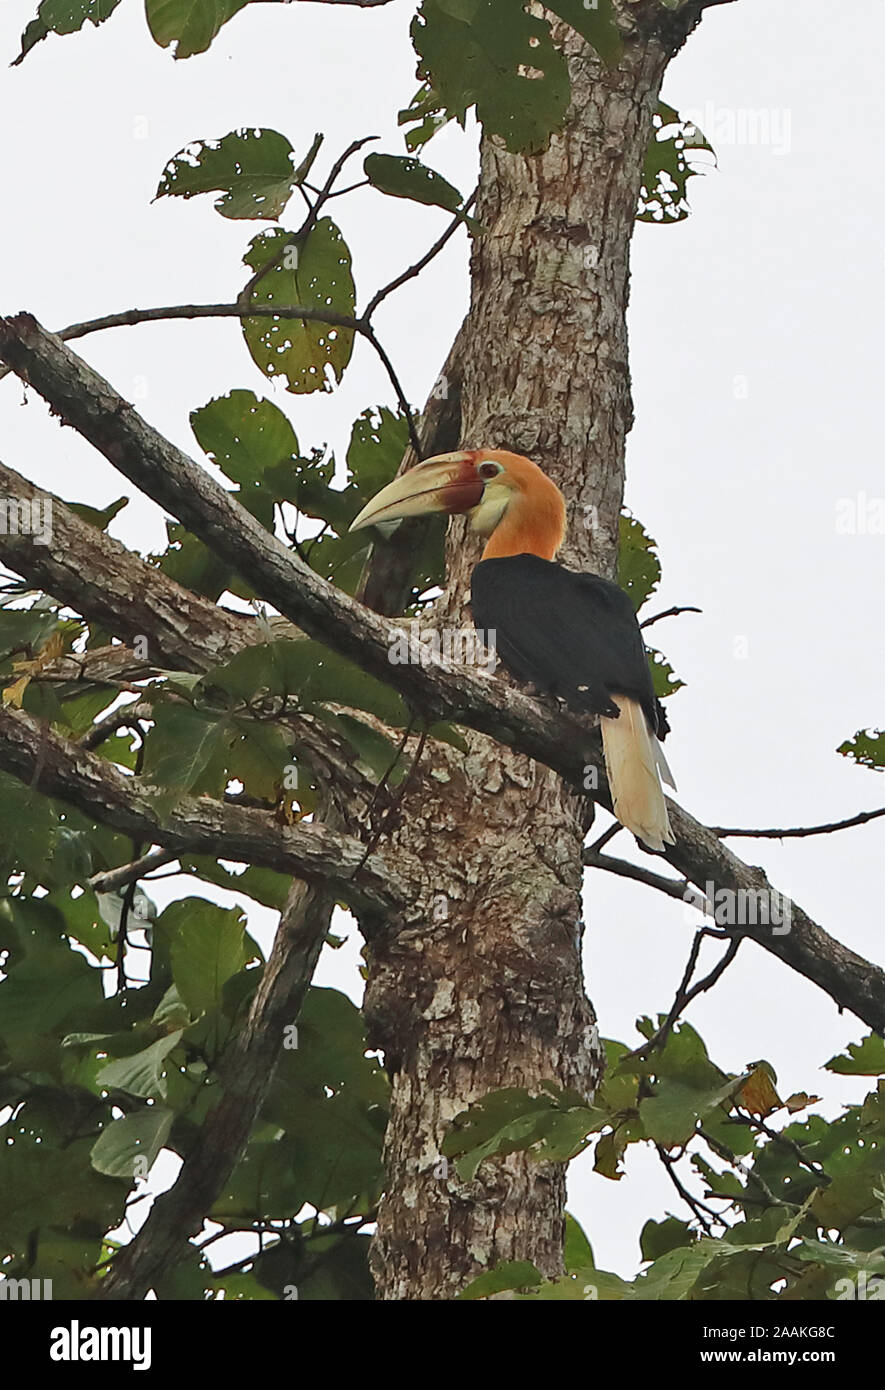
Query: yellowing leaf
[758, 1094]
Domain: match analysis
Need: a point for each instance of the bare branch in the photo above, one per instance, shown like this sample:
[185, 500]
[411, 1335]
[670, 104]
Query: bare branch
[677, 888]
[302, 312]
[127, 716]
[457, 221]
[112, 880]
[684, 994]
[58, 767]
[726, 832]
[99, 578]
[670, 613]
[702, 1213]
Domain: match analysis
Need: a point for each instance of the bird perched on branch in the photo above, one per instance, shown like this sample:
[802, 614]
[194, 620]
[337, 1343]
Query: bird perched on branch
[572, 635]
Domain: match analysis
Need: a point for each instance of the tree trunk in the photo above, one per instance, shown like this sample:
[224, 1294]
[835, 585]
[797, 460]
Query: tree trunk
[488, 992]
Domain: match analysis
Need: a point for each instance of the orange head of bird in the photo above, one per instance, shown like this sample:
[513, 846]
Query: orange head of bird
[509, 499]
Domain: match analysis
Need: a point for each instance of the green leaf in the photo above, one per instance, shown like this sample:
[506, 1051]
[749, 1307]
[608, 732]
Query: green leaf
[639, 569]
[673, 1276]
[192, 564]
[307, 355]
[28, 829]
[143, 1073]
[865, 1058]
[663, 677]
[496, 56]
[188, 751]
[578, 1250]
[47, 1184]
[668, 167]
[180, 748]
[331, 1101]
[378, 440]
[190, 24]
[402, 177]
[595, 21]
[840, 1257]
[513, 1274]
[25, 629]
[128, 1146]
[582, 1286]
[659, 1237]
[63, 17]
[207, 946]
[308, 673]
[867, 748]
[253, 169]
[98, 516]
[426, 114]
[506, 1121]
[252, 441]
[46, 992]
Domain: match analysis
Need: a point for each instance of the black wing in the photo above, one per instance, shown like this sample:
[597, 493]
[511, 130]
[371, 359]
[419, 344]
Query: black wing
[574, 635]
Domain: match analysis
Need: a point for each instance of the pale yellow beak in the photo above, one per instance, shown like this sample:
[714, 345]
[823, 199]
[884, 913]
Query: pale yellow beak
[446, 483]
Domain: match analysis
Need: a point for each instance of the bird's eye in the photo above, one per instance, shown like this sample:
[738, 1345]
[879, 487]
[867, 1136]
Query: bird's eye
[489, 470]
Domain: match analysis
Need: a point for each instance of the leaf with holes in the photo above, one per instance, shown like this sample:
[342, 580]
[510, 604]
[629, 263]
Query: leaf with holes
[308, 355]
[867, 748]
[252, 169]
[402, 177]
[63, 17]
[865, 1058]
[596, 22]
[190, 24]
[668, 166]
[493, 55]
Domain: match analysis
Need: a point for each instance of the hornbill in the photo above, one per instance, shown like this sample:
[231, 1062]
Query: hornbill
[572, 635]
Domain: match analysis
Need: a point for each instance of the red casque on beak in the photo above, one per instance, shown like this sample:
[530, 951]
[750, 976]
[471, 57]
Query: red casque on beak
[447, 483]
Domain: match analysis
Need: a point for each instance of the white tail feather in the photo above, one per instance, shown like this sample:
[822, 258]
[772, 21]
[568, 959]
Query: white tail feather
[663, 765]
[632, 758]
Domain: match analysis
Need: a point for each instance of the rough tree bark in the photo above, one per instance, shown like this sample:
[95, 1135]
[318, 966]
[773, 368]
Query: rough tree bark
[489, 993]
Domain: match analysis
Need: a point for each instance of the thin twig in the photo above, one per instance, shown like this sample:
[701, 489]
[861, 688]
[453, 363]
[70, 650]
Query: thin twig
[303, 232]
[125, 717]
[368, 333]
[396, 803]
[669, 613]
[413, 270]
[110, 880]
[699, 1208]
[305, 312]
[678, 888]
[614, 829]
[753, 1122]
[684, 994]
[723, 1151]
[726, 832]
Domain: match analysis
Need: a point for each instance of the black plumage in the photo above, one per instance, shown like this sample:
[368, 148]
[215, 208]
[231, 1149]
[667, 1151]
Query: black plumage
[569, 634]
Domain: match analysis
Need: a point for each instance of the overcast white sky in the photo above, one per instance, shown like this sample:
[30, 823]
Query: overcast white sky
[756, 358]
